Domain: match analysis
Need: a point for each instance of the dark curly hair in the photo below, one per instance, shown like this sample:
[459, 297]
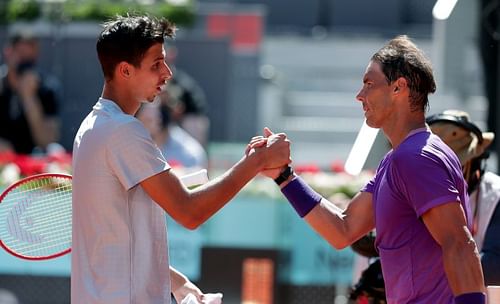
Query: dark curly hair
[400, 57]
[127, 38]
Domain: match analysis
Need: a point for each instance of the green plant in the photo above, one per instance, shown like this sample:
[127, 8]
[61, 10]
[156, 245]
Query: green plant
[22, 10]
[103, 10]
[181, 15]
[91, 10]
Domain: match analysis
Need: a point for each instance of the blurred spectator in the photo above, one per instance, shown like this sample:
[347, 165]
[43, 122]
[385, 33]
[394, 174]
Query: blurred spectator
[191, 112]
[178, 146]
[489, 37]
[28, 102]
[470, 144]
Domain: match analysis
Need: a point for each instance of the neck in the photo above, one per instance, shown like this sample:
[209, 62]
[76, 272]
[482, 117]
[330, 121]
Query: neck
[122, 98]
[399, 129]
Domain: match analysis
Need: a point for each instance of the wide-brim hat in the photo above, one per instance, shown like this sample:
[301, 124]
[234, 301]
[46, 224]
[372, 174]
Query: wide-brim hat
[465, 138]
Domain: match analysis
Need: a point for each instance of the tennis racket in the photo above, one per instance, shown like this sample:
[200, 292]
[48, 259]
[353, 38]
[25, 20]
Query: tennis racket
[35, 215]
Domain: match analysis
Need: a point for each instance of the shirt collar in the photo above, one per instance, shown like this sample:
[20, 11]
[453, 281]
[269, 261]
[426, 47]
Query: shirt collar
[419, 130]
[107, 105]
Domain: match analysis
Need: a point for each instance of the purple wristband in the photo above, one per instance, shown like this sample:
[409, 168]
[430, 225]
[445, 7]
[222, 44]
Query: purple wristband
[302, 197]
[471, 298]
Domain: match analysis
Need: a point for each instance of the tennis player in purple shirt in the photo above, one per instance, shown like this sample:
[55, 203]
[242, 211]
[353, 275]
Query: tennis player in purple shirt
[420, 174]
[417, 200]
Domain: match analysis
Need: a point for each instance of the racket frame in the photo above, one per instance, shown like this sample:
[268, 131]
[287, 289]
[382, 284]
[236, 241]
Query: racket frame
[15, 185]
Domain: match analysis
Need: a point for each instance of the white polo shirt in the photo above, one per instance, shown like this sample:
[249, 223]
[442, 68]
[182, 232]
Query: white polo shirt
[119, 251]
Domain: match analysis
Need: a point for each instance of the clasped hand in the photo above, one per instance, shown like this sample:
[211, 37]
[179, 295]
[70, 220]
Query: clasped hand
[279, 151]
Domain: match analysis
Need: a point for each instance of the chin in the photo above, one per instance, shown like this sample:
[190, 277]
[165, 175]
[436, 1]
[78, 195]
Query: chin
[368, 120]
[150, 99]
[372, 124]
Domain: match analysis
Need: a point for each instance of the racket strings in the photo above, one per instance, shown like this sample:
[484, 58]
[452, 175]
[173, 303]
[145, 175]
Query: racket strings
[38, 217]
[41, 225]
[59, 196]
[53, 197]
[38, 237]
[32, 241]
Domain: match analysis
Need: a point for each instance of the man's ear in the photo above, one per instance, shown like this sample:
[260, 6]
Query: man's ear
[124, 69]
[400, 84]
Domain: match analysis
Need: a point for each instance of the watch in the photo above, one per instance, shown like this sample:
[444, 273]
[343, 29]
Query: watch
[284, 175]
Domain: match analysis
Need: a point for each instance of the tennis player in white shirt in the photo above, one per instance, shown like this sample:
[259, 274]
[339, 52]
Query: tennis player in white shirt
[122, 185]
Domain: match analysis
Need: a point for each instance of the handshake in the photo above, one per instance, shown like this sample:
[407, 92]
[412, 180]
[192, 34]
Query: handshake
[274, 150]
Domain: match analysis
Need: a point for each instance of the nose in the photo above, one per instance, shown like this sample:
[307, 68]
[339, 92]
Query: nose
[360, 96]
[168, 72]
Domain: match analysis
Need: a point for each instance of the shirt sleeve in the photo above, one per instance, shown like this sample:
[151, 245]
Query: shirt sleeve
[132, 154]
[424, 181]
[370, 186]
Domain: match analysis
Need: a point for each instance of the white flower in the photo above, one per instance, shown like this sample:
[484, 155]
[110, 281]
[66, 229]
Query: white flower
[10, 174]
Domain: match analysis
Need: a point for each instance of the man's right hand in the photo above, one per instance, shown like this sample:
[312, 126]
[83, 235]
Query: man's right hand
[28, 85]
[277, 145]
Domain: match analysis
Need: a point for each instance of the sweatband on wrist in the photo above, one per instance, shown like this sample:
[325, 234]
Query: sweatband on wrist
[302, 197]
[471, 298]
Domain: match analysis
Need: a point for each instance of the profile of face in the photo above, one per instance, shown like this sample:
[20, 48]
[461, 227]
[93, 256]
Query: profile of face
[375, 95]
[149, 78]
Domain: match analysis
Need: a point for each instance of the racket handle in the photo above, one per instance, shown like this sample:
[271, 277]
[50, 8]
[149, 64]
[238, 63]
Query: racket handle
[195, 179]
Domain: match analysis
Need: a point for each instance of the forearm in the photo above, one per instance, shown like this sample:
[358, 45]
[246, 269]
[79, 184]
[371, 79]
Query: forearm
[329, 221]
[182, 287]
[44, 130]
[463, 268]
[339, 227]
[209, 198]
[177, 279]
[192, 208]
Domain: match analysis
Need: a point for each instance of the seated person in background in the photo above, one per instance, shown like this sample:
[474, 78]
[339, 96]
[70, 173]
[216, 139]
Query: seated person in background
[178, 147]
[470, 144]
[28, 104]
